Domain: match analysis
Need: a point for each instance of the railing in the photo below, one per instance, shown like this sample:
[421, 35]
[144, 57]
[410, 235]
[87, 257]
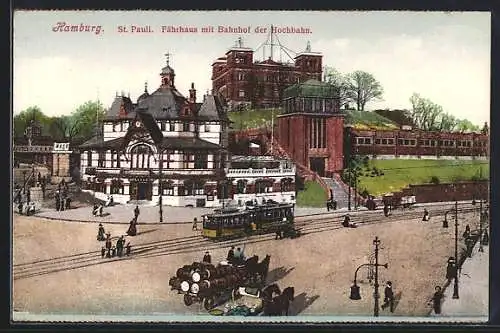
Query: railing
[262, 171]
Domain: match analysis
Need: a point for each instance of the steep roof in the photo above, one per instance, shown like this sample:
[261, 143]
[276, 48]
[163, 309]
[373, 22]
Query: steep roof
[122, 107]
[165, 103]
[98, 142]
[212, 108]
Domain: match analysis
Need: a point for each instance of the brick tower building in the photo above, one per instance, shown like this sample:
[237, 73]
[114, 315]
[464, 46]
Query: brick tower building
[311, 127]
[243, 81]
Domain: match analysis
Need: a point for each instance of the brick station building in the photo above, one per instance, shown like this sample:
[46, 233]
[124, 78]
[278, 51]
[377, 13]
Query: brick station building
[311, 127]
[243, 81]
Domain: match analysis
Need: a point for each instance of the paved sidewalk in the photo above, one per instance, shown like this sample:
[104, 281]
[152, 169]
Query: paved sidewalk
[150, 214]
[473, 288]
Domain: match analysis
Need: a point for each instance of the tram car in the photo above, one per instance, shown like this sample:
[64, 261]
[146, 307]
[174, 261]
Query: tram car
[254, 219]
[212, 285]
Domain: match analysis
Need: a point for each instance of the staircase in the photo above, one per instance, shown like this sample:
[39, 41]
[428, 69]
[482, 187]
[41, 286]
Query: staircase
[339, 192]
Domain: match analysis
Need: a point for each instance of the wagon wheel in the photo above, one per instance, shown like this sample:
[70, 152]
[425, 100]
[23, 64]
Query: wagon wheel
[188, 300]
[209, 303]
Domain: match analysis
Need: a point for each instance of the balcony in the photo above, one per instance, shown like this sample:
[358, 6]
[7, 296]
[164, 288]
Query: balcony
[260, 172]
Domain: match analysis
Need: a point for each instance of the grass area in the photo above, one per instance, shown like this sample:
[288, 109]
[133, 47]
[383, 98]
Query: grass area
[313, 195]
[367, 120]
[253, 118]
[262, 117]
[400, 173]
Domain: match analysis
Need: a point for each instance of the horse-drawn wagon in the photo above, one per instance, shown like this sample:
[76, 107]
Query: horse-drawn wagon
[396, 200]
[213, 284]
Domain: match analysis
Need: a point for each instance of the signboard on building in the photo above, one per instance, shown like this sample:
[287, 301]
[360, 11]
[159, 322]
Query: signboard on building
[61, 146]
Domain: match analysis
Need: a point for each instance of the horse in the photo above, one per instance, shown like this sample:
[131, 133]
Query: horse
[269, 291]
[279, 304]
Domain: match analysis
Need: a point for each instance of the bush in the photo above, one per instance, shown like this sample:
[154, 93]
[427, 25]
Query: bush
[365, 193]
[434, 180]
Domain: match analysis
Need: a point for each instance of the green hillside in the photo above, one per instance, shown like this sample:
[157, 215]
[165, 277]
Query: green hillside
[260, 117]
[398, 174]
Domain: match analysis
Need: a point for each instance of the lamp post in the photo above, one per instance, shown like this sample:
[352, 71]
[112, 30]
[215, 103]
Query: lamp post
[24, 178]
[349, 194]
[355, 288]
[481, 225]
[455, 285]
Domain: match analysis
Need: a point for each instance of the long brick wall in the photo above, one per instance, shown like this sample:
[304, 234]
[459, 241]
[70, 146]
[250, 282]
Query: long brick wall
[448, 192]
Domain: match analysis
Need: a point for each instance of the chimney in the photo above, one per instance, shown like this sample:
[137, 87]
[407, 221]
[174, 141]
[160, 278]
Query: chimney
[192, 94]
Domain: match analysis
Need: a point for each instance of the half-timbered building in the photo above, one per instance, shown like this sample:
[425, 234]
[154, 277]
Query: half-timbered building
[163, 144]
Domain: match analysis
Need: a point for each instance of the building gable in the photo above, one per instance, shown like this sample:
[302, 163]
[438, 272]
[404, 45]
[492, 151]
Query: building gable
[143, 129]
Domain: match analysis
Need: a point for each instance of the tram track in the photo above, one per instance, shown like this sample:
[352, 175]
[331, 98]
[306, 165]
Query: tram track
[197, 243]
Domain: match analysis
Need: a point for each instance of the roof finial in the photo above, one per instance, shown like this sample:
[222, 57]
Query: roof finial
[128, 94]
[116, 93]
[308, 46]
[240, 42]
[146, 86]
[168, 58]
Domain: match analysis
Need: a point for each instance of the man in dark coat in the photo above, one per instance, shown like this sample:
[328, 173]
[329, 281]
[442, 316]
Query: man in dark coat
[230, 255]
[136, 212]
[128, 247]
[436, 300]
[451, 269]
[388, 297]
[195, 224]
[119, 246]
[103, 252]
[207, 258]
[386, 210]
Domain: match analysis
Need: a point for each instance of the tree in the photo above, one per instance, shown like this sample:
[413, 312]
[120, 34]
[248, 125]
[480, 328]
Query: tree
[85, 118]
[448, 122]
[340, 81]
[426, 115]
[363, 88]
[22, 120]
[464, 125]
[64, 128]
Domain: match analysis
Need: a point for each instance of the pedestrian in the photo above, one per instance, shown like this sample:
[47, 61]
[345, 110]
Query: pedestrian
[108, 243]
[388, 297]
[28, 196]
[237, 255]
[68, 202]
[95, 210]
[136, 212]
[466, 233]
[207, 258]
[103, 252]
[386, 210]
[108, 254]
[100, 211]
[436, 300]
[279, 234]
[230, 255]
[119, 246]
[451, 269]
[20, 208]
[195, 224]
[426, 215]
[113, 251]
[128, 247]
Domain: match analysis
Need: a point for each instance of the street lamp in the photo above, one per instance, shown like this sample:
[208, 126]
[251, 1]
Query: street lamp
[455, 285]
[24, 178]
[355, 288]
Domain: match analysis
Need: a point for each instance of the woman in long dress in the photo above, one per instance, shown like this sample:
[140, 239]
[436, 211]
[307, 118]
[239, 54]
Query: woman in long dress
[132, 229]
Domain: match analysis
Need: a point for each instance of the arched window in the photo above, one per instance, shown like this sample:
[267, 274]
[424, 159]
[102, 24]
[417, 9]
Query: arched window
[263, 185]
[140, 157]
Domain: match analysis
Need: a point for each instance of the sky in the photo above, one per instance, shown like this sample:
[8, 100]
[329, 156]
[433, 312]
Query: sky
[441, 56]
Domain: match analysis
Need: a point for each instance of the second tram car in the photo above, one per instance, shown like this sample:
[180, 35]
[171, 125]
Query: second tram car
[259, 219]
